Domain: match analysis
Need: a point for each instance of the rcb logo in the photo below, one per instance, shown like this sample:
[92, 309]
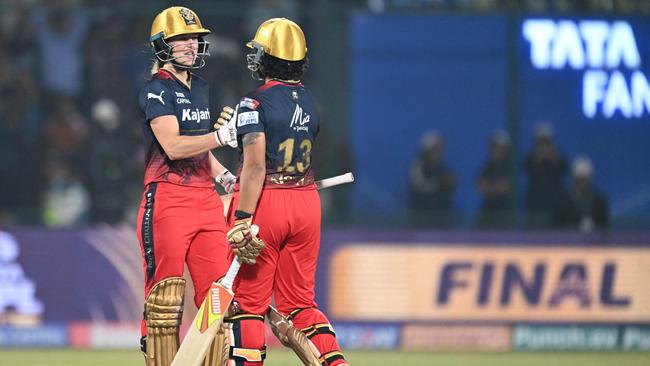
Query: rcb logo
[188, 16]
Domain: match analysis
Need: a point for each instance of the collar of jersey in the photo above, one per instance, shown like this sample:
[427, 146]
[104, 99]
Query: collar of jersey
[168, 75]
[272, 83]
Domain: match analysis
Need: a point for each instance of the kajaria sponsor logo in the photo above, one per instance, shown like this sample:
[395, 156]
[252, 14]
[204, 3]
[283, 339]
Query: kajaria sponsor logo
[195, 115]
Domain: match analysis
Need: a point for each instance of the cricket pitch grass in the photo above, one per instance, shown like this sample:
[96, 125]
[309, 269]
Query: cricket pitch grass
[281, 357]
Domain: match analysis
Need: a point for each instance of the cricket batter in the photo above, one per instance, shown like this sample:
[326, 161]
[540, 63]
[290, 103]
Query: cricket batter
[277, 125]
[181, 216]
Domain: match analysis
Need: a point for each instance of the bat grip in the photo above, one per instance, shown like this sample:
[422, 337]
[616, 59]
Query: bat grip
[230, 275]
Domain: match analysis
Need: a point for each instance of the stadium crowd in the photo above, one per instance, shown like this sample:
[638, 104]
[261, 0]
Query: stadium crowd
[548, 201]
[71, 146]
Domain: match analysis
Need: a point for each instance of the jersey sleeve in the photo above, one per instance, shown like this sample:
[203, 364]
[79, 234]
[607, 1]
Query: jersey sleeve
[250, 116]
[156, 100]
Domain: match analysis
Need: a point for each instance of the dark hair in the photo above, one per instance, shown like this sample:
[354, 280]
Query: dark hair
[276, 68]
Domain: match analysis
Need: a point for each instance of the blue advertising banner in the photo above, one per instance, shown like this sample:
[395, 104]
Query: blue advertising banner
[368, 336]
[413, 74]
[49, 336]
[587, 77]
[574, 337]
[70, 275]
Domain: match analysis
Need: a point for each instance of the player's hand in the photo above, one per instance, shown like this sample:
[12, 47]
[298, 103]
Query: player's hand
[225, 127]
[227, 180]
[243, 242]
[227, 113]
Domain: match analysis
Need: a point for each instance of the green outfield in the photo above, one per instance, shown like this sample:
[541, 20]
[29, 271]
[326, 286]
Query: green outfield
[356, 358]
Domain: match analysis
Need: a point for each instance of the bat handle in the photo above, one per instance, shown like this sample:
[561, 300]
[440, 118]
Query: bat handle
[230, 275]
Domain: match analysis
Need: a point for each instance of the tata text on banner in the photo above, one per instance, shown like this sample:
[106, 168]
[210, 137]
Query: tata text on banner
[563, 284]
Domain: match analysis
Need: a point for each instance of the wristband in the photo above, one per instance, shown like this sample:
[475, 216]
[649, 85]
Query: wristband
[242, 215]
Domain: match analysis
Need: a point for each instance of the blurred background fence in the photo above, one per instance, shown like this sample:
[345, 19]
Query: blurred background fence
[499, 148]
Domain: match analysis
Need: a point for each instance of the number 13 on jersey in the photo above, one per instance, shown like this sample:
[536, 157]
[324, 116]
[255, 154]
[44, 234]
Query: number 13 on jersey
[301, 163]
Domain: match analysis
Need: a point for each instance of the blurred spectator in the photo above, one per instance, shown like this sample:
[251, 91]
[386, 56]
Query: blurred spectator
[67, 132]
[546, 169]
[61, 33]
[432, 185]
[104, 56]
[495, 184]
[66, 198]
[22, 153]
[583, 207]
[109, 157]
[20, 134]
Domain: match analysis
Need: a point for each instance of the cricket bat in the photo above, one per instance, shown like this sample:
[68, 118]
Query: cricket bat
[335, 181]
[209, 318]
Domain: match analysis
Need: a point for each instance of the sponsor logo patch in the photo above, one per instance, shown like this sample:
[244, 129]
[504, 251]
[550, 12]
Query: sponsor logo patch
[195, 114]
[249, 103]
[181, 99]
[248, 118]
[299, 120]
[154, 96]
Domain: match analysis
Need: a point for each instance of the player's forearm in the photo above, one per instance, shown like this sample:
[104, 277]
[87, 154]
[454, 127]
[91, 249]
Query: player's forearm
[216, 167]
[183, 147]
[251, 182]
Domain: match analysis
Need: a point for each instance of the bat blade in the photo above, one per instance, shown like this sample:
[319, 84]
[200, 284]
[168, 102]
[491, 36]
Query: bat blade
[205, 326]
[214, 306]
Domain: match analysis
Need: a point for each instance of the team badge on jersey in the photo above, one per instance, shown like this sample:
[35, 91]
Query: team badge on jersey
[248, 118]
[249, 103]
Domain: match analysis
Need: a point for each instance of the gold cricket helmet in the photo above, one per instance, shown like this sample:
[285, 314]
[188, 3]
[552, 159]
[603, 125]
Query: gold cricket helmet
[176, 21]
[281, 38]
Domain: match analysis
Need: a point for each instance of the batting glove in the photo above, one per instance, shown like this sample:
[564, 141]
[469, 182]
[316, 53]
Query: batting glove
[225, 128]
[246, 245]
[227, 180]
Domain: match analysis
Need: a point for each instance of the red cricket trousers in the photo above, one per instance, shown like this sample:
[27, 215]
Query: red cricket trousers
[289, 222]
[182, 224]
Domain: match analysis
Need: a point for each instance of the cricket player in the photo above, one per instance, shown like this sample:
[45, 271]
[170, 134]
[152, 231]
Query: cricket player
[277, 126]
[181, 216]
